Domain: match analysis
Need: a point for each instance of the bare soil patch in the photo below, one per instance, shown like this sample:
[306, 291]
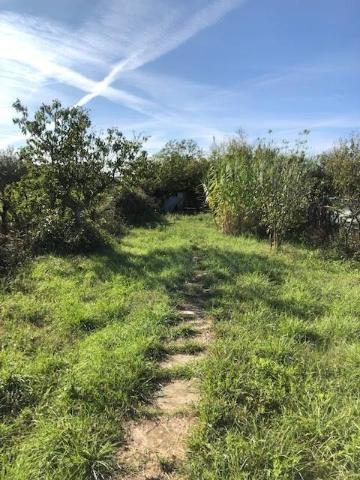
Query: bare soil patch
[156, 446]
[178, 396]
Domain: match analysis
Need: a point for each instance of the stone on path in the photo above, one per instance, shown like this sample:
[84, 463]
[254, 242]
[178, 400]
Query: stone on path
[180, 359]
[177, 396]
[187, 313]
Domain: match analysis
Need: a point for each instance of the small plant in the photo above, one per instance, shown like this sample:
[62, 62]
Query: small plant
[167, 465]
[16, 392]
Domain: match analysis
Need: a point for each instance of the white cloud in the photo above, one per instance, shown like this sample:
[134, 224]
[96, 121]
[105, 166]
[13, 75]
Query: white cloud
[32, 52]
[35, 52]
[166, 36]
[38, 57]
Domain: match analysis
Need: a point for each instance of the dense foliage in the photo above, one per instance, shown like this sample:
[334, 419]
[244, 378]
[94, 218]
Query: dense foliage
[258, 187]
[341, 165]
[68, 183]
[11, 171]
[180, 167]
[282, 191]
[341, 168]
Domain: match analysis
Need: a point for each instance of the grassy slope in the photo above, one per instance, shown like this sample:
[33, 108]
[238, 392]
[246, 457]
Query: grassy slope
[80, 335]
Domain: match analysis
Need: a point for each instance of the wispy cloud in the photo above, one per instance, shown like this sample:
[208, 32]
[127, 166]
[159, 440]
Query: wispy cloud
[32, 52]
[109, 55]
[35, 52]
[161, 40]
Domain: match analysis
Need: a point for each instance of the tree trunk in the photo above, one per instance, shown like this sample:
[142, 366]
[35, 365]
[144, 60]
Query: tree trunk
[77, 216]
[274, 239]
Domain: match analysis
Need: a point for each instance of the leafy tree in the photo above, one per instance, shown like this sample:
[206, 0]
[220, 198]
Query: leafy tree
[11, 170]
[75, 164]
[180, 166]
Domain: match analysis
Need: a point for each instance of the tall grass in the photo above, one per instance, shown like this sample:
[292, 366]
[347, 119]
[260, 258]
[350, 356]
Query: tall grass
[261, 187]
[230, 187]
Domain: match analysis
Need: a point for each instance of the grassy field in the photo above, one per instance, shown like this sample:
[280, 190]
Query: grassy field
[281, 385]
[79, 341]
[81, 336]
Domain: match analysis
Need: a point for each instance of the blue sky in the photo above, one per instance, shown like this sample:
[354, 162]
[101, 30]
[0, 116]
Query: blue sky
[190, 68]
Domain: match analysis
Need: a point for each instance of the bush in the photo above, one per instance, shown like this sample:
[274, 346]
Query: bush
[11, 171]
[12, 253]
[61, 234]
[127, 206]
[135, 207]
[340, 169]
[345, 243]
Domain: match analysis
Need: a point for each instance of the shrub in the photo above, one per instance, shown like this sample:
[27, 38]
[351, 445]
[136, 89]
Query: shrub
[11, 170]
[341, 172]
[59, 233]
[341, 166]
[135, 207]
[12, 252]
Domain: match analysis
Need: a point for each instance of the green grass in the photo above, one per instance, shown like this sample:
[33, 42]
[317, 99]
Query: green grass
[80, 338]
[281, 383]
[79, 341]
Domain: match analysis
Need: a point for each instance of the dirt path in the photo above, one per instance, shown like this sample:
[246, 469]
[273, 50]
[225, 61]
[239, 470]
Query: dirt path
[156, 443]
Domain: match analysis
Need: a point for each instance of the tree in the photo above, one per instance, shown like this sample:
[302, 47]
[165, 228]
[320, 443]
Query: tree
[11, 170]
[73, 165]
[180, 166]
